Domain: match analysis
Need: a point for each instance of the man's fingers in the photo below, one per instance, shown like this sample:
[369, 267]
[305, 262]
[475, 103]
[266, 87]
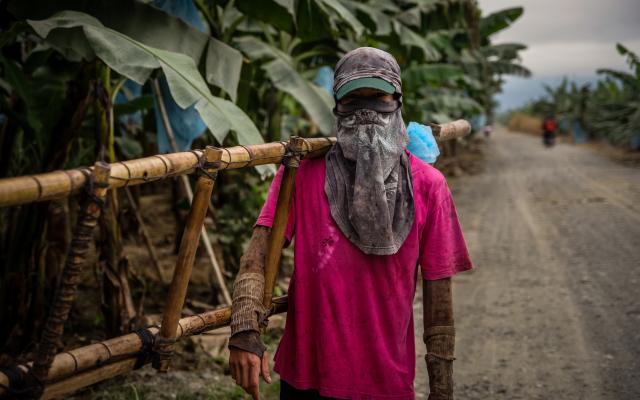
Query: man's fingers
[255, 392]
[265, 368]
[254, 380]
[232, 368]
[245, 371]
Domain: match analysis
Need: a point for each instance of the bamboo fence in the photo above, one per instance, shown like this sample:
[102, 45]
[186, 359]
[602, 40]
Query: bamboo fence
[71, 370]
[75, 369]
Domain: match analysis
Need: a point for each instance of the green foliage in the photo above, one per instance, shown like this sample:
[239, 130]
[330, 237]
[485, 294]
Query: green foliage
[499, 20]
[160, 30]
[280, 69]
[136, 61]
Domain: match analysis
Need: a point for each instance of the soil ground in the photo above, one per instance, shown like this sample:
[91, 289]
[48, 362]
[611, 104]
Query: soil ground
[552, 309]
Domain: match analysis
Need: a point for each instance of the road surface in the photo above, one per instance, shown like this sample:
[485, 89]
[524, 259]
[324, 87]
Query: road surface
[553, 307]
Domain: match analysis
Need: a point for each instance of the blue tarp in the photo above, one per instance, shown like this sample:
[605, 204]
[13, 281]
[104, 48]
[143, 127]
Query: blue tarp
[185, 123]
[579, 134]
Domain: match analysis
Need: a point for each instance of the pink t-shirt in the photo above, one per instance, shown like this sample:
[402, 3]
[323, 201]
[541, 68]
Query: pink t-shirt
[349, 331]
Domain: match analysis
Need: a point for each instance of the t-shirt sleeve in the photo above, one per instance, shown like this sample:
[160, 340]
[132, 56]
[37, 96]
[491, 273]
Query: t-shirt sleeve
[443, 251]
[269, 208]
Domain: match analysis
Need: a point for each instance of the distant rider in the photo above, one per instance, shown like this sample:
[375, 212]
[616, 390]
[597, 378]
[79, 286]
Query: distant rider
[549, 127]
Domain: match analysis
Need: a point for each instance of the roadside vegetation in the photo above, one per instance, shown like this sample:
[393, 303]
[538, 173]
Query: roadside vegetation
[608, 109]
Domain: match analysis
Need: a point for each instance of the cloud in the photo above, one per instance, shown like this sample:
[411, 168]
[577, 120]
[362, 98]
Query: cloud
[548, 21]
[574, 58]
[570, 38]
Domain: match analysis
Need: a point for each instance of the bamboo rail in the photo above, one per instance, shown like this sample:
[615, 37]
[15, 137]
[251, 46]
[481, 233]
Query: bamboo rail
[67, 286]
[103, 360]
[60, 184]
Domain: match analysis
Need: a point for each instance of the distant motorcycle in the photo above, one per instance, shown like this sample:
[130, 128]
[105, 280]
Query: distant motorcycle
[549, 139]
[549, 128]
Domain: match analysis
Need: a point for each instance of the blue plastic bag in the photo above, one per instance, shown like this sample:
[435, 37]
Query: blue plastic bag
[185, 123]
[422, 144]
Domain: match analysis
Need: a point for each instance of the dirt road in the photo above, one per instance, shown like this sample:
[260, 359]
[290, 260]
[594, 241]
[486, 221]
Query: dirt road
[553, 308]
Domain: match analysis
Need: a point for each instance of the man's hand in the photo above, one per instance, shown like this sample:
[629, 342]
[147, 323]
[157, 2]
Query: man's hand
[246, 369]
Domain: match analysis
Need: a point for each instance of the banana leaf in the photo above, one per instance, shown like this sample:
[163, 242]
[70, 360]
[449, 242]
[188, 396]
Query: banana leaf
[146, 24]
[499, 20]
[137, 61]
[282, 73]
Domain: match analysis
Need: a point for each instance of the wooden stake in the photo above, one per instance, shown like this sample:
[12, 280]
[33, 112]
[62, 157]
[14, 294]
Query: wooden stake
[182, 273]
[67, 287]
[276, 239]
[145, 235]
[187, 188]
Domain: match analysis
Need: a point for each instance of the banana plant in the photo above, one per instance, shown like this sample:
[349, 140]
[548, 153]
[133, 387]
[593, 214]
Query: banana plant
[613, 108]
[137, 61]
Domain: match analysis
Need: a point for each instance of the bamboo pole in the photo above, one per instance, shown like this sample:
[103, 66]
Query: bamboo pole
[59, 389]
[187, 188]
[60, 184]
[184, 264]
[84, 366]
[451, 130]
[276, 238]
[67, 286]
[145, 235]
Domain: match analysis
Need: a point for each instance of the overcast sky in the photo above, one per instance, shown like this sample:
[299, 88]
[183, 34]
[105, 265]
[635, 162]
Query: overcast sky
[566, 38]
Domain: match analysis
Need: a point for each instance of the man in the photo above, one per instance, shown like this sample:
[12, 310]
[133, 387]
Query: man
[364, 217]
[549, 127]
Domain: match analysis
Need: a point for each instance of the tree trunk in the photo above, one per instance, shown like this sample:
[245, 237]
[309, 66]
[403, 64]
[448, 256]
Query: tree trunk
[117, 302]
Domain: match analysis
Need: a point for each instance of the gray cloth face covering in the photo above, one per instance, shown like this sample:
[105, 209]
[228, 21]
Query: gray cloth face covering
[368, 176]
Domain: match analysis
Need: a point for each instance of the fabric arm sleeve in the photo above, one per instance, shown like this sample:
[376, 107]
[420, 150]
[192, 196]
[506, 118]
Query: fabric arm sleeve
[248, 288]
[439, 337]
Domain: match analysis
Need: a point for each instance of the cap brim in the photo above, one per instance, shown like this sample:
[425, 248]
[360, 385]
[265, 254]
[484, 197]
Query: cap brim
[371, 83]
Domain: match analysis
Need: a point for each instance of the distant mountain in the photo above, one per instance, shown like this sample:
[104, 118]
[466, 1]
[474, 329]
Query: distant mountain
[519, 91]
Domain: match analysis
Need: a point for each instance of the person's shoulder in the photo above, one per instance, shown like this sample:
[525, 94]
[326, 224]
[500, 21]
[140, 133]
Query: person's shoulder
[312, 167]
[424, 173]
[312, 163]
[429, 184]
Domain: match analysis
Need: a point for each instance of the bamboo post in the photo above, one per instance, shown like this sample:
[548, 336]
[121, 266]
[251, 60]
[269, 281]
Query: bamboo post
[67, 287]
[145, 235]
[84, 366]
[182, 273]
[291, 163]
[187, 188]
